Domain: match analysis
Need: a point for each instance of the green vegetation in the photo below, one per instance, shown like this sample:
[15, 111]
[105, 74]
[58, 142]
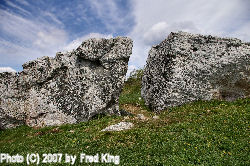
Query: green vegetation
[199, 133]
[131, 93]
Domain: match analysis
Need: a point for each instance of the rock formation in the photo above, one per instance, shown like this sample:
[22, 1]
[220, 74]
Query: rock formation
[70, 88]
[187, 67]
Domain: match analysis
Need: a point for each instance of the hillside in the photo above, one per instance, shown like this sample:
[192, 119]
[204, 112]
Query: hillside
[199, 133]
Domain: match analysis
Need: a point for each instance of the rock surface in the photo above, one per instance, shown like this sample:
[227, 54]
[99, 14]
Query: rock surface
[119, 126]
[70, 88]
[187, 67]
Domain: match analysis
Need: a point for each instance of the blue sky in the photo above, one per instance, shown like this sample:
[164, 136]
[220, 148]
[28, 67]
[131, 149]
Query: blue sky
[34, 28]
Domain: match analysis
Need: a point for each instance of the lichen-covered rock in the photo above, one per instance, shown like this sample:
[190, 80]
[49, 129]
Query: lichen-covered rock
[187, 67]
[70, 88]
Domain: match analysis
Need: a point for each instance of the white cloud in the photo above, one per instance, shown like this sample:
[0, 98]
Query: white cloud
[34, 38]
[31, 31]
[52, 17]
[156, 33]
[50, 38]
[12, 54]
[6, 69]
[154, 20]
[159, 31]
[17, 7]
[23, 2]
[28, 39]
[77, 42]
[112, 15]
[139, 53]
[243, 32]
[108, 12]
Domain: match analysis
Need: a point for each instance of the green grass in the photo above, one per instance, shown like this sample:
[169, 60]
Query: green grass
[131, 93]
[199, 133]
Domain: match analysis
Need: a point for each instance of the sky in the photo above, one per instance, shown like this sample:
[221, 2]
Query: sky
[30, 29]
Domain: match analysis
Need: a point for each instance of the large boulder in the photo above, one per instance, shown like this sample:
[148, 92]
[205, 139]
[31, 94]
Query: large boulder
[70, 88]
[187, 67]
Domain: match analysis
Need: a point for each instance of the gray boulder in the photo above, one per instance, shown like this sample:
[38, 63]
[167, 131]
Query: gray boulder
[72, 87]
[187, 67]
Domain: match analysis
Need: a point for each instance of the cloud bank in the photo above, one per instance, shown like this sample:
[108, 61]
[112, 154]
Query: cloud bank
[6, 69]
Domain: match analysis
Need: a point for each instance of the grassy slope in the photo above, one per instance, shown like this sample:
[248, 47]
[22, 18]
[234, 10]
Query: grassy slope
[208, 133]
